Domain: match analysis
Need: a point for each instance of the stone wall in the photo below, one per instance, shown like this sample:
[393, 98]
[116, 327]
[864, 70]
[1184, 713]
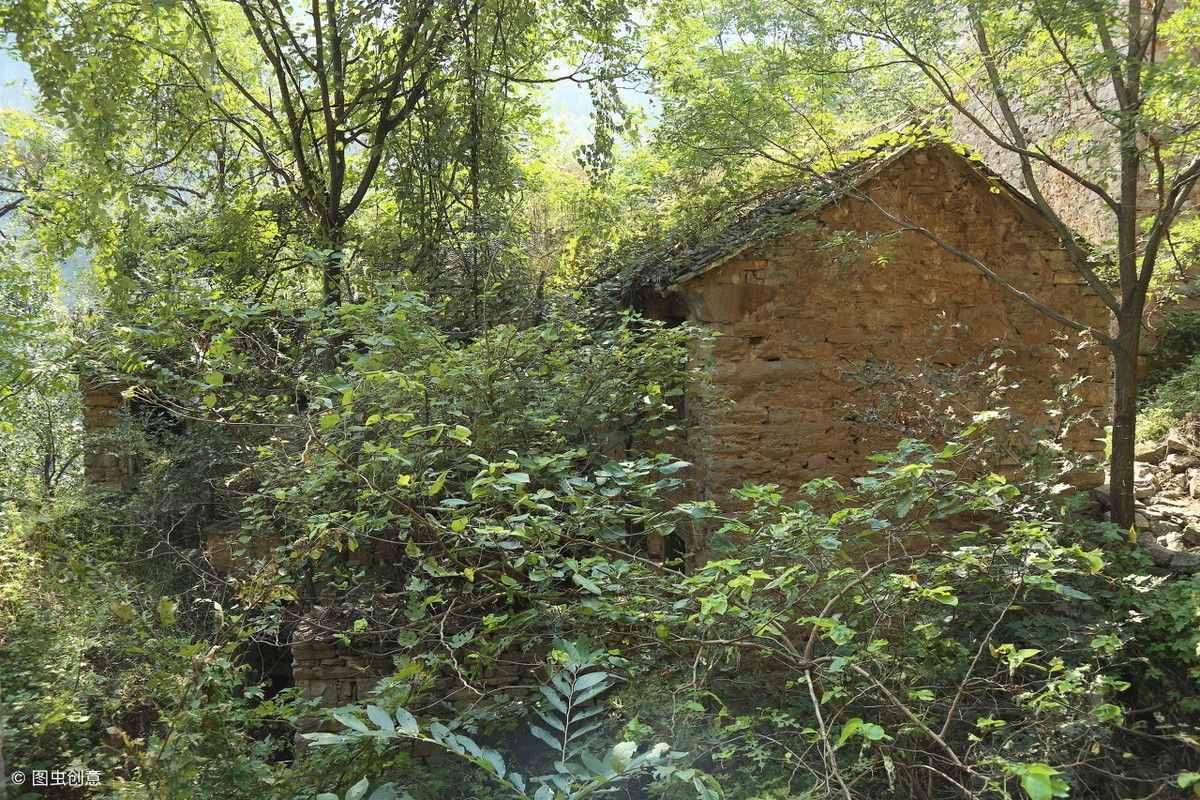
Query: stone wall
[795, 322]
[1080, 208]
[331, 672]
[104, 466]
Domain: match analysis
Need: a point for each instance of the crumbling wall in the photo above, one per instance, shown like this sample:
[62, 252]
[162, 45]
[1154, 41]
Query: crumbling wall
[796, 319]
[104, 465]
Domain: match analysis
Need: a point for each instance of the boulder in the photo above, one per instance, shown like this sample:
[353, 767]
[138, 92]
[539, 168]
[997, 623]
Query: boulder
[1172, 539]
[1150, 452]
[1165, 527]
[1176, 442]
[1144, 472]
[1180, 462]
[1174, 486]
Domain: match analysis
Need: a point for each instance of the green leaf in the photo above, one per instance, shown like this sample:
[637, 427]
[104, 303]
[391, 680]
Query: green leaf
[495, 759]
[544, 735]
[516, 477]
[551, 720]
[350, 721]
[323, 738]
[358, 790]
[872, 732]
[166, 611]
[585, 583]
[381, 718]
[386, 791]
[328, 420]
[554, 698]
[850, 728]
[1040, 782]
[621, 754]
[406, 722]
[583, 730]
[589, 680]
[213, 379]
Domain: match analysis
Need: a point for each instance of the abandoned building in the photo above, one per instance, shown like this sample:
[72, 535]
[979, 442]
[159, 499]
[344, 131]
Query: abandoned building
[823, 282]
[799, 317]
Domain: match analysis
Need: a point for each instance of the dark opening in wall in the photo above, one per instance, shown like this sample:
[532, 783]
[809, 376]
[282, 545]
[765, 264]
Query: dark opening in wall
[667, 308]
[157, 420]
[271, 667]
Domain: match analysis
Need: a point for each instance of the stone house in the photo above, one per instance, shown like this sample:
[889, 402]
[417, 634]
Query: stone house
[818, 284]
[798, 314]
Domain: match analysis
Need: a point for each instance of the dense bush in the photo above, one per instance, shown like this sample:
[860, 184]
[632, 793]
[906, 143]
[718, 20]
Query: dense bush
[459, 507]
[1173, 385]
[920, 633]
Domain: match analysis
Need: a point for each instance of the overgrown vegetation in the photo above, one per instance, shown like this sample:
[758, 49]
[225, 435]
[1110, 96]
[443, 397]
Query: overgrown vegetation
[379, 401]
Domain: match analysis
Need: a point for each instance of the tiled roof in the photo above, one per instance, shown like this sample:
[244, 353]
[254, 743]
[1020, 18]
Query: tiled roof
[770, 214]
[777, 212]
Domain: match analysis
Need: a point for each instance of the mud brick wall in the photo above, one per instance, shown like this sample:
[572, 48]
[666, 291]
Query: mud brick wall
[794, 320]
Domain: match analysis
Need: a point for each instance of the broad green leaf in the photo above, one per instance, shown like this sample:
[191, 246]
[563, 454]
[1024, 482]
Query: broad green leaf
[166, 611]
[350, 721]
[554, 698]
[386, 791]
[381, 718]
[495, 759]
[585, 583]
[589, 680]
[544, 735]
[621, 754]
[358, 790]
[406, 722]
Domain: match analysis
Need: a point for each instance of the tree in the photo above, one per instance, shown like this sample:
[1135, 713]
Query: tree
[1131, 142]
[1085, 103]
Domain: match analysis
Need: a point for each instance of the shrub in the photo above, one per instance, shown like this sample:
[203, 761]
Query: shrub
[1166, 404]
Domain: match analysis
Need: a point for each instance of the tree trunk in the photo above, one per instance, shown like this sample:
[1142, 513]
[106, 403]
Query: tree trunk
[1124, 422]
[332, 238]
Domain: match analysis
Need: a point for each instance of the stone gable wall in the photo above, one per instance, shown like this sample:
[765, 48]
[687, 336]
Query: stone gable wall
[794, 321]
